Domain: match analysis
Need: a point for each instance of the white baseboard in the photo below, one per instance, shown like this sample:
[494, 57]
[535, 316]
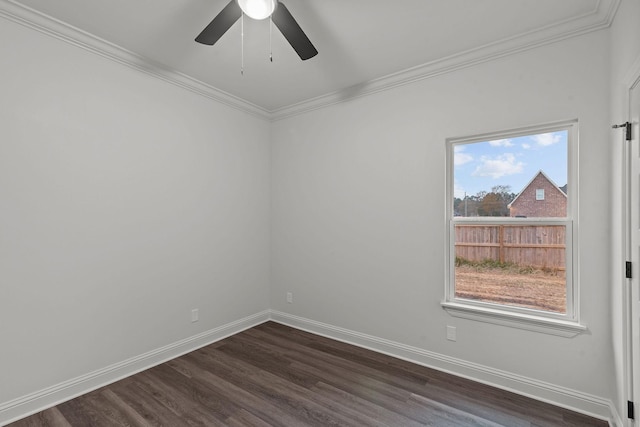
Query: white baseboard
[560, 396]
[51, 396]
[571, 399]
[616, 419]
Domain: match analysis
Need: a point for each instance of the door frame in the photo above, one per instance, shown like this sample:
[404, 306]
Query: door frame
[631, 80]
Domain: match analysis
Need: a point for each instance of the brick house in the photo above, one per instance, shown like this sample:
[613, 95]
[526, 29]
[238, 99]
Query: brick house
[541, 197]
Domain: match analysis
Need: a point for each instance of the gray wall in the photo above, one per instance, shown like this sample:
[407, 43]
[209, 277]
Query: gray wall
[124, 203]
[358, 209]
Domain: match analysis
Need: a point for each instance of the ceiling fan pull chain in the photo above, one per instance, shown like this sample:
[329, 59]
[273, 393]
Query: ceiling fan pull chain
[242, 44]
[279, 15]
[270, 39]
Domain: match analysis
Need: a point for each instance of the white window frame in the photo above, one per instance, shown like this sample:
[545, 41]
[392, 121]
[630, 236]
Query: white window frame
[561, 324]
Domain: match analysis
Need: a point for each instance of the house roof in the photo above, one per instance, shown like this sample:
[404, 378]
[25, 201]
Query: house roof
[540, 172]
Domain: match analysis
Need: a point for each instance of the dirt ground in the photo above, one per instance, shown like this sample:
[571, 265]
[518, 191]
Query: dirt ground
[538, 289]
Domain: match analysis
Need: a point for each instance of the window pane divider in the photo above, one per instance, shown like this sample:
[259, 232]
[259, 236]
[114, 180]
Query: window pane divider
[540, 318]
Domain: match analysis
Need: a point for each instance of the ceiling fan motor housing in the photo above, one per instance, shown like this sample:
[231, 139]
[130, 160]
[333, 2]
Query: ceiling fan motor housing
[258, 9]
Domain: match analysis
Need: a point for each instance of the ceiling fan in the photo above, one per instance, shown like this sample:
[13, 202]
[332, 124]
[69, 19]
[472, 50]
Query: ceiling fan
[260, 9]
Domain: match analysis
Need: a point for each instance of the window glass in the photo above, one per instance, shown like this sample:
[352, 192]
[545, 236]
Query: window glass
[511, 230]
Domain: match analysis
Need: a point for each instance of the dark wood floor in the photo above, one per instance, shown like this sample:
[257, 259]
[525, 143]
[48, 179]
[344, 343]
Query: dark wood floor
[275, 375]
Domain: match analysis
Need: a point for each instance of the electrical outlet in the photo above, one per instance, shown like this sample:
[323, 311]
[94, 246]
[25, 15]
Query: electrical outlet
[194, 315]
[289, 297]
[451, 333]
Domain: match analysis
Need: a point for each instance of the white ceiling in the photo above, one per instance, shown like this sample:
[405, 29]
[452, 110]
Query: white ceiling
[358, 41]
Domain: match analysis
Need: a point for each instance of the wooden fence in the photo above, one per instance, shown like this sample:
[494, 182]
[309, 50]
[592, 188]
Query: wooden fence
[541, 246]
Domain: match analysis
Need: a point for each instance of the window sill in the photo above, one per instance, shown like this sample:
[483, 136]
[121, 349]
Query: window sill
[562, 328]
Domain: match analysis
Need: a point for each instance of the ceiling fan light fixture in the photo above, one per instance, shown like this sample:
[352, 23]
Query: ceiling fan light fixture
[258, 9]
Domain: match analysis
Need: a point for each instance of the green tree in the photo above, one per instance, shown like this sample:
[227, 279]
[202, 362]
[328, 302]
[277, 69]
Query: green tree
[496, 203]
[492, 205]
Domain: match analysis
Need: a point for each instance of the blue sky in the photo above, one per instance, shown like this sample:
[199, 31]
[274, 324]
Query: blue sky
[513, 161]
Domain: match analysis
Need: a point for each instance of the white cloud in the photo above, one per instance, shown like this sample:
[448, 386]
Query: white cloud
[497, 167]
[501, 143]
[546, 139]
[460, 157]
[526, 146]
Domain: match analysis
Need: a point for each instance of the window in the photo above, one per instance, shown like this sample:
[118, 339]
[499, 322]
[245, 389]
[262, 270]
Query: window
[512, 202]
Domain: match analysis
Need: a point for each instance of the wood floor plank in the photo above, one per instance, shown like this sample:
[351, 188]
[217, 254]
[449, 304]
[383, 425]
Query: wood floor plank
[451, 415]
[264, 409]
[478, 399]
[275, 375]
[154, 411]
[287, 395]
[324, 364]
[191, 394]
[245, 418]
[304, 353]
[115, 400]
[48, 418]
[185, 402]
[380, 413]
[80, 411]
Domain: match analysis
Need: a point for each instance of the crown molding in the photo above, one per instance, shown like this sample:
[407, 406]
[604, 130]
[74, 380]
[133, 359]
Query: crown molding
[599, 18]
[23, 15]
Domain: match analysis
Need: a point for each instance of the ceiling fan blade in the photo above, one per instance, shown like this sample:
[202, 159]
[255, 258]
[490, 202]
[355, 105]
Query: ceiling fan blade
[293, 33]
[220, 24]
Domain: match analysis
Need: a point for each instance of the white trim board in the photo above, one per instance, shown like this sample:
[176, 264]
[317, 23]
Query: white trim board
[599, 18]
[35, 402]
[30, 18]
[629, 81]
[550, 393]
[574, 400]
